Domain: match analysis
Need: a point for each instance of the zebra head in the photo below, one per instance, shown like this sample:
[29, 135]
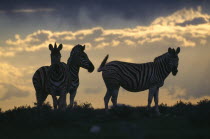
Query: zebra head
[80, 58]
[173, 60]
[55, 53]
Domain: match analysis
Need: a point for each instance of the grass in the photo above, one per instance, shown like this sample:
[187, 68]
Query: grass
[183, 120]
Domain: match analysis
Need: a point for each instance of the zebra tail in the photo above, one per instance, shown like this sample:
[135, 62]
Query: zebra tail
[103, 63]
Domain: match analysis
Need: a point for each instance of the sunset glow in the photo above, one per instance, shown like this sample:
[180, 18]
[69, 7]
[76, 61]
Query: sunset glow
[27, 30]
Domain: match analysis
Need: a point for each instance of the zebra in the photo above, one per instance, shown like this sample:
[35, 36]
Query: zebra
[138, 77]
[78, 58]
[53, 80]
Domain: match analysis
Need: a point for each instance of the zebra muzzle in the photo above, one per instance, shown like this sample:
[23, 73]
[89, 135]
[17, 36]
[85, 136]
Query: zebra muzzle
[91, 68]
[174, 71]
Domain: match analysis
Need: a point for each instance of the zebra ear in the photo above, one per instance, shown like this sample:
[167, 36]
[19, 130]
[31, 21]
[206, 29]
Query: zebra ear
[60, 47]
[83, 47]
[50, 47]
[169, 50]
[178, 50]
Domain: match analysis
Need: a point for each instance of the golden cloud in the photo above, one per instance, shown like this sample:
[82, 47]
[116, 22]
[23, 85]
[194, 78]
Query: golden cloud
[15, 76]
[162, 30]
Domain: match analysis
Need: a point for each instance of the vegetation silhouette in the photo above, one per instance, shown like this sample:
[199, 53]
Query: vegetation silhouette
[177, 121]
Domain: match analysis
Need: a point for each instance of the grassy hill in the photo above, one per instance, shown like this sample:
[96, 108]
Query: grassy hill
[183, 120]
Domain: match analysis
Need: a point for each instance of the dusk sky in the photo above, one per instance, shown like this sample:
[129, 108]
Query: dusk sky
[128, 30]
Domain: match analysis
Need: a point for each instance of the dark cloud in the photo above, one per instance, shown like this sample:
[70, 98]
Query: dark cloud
[80, 14]
[143, 11]
[195, 21]
[12, 91]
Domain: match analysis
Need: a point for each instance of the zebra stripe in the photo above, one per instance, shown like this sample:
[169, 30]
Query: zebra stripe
[138, 77]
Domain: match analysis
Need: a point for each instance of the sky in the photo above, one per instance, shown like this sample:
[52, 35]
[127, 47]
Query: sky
[134, 31]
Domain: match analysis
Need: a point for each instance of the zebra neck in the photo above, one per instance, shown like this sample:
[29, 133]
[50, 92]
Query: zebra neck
[163, 69]
[54, 62]
[73, 70]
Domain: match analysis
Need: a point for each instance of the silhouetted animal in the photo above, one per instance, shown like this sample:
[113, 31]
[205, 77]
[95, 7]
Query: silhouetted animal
[78, 58]
[138, 77]
[53, 80]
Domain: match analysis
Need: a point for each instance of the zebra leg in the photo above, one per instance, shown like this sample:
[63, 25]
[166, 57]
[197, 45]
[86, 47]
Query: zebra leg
[156, 100]
[62, 102]
[114, 96]
[112, 86]
[40, 97]
[55, 102]
[106, 99]
[150, 96]
[72, 96]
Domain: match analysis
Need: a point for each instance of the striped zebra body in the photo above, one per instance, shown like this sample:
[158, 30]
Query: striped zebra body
[57, 84]
[130, 76]
[60, 77]
[52, 80]
[138, 77]
[78, 58]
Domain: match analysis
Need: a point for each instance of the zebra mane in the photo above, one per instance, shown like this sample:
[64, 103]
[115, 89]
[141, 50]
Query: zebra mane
[75, 50]
[161, 57]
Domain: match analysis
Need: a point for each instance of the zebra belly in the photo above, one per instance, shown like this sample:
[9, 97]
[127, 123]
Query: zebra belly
[135, 89]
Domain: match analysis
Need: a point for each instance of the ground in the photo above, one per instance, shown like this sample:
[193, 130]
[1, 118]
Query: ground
[182, 120]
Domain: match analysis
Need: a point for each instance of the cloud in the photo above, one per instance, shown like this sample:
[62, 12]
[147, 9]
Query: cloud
[163, 30]
[115, 43]
[16, 76]
[96, 11]
[9, 91]
[9, 73]
[2, 11]
[182, 16]
[31, 42]
[195, 21]
[138, 45]
[99, 39]
[27, 10]
[129, 42]
[33, 10]
[5, 53]
[193, 77]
